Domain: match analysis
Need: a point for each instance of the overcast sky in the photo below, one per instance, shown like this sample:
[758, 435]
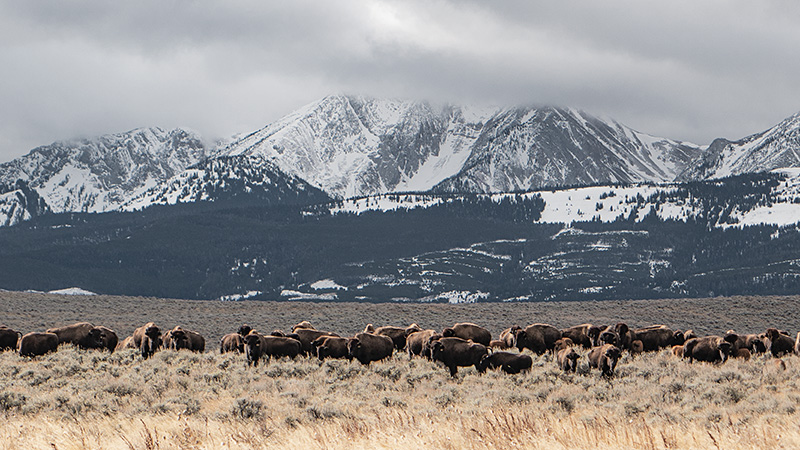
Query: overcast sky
[690, 70]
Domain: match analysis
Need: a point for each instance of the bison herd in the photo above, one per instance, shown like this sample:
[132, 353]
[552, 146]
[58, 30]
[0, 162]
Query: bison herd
[462, 345]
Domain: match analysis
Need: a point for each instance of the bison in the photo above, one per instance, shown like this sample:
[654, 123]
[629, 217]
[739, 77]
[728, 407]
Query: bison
[618, 335]
[456, 352]
[707, 349]
[568, 359]
[397, 335]
[779, 343]
[510, 363]
[605, 358]
[8, 338]
[366, 347]
[656, 337]
[233, 342]
[562, 343]
[307, 336]
[537, 338]
[331, 347]
[498, 344]
[110, 338]
[37, 343]
[416, 342]
[126, 343]
[179, 338]
[82, 334]
[507, 336]
[469, 332]
[579, 334]
[147, 339]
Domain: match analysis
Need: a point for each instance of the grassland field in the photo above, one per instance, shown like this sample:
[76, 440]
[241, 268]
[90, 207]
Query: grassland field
[75, 399]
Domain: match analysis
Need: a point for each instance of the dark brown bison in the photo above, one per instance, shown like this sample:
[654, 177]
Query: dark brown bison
[252, 348]
[752, 342]
[232, 342]
[568, 359]
[8, 338]
[689, 334]
[369, 329]
[416, 342]
[257, 346]
[366, 347]
[707, 349]
[331, 347]
[742, 353]
[507, 336]
[110, 338]
[562, 343]
[305, 325]
[510, 363]
[397, 335]
[637, 347]
[594, 333]
[618, 335]
[37, 343]
[656, 337]
[81, 334]
[779, 343]
[579, 334]
[179, 339]
[456, 352]
[244, 330]
[605, 358]
[537, 338]
[470, 332]
[307, 336]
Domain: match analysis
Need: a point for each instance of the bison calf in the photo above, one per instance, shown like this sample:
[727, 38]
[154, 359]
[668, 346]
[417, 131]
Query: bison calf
[604, 358]
[568, 359]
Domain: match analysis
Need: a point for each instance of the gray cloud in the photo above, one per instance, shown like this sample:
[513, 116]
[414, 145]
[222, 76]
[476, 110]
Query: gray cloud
[682, 69]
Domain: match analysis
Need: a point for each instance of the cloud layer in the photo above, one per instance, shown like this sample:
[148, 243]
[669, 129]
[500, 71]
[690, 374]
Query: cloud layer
[682, 69]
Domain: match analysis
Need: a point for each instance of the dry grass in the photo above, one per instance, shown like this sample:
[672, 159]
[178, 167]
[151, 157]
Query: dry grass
[75, 399]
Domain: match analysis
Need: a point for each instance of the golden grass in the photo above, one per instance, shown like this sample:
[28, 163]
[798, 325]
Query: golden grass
[76, 399]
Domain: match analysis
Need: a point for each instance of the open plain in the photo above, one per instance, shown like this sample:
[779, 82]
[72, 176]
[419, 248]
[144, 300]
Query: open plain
[76, 399]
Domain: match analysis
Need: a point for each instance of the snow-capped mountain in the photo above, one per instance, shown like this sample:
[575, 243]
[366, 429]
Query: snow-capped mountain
[775, 148]
[530, 148]
[352, 146]
[230, 177]
[18, 203]
[100, 174]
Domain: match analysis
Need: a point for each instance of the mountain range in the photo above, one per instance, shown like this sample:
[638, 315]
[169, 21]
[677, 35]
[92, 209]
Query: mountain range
[352, 146]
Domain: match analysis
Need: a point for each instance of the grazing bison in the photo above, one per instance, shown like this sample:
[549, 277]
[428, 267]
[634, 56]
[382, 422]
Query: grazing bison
[752, 342]
[470, 332]
[677, 350]
[397, 335]
[8, 338]
[456, 352]
[637, 347]
[568, 359]
[605, 358]
[179, 338]
[779, 343]
[110, 338]
[742, 353]
[707, 349]
[307, 336]
[510, 363]
[656, 337]
[279, 346]
[594, 333]
[331, 347]
[37, 343]
[366, 347]
[81, 334]
[579, 334]
[233, 342]
[417, 341]
[562, 343]
[537, 338]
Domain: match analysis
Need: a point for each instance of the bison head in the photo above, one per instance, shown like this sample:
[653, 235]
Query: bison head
[609, 336]
[772, 333]
[244, 330]
[179, 339]
[153, 333]
[95, 338]
[448, 332]
[353, 347]
[436, 349]
[678, 338]
[252, 340]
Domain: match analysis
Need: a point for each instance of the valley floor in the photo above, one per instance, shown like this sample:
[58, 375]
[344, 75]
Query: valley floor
[75, 399]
